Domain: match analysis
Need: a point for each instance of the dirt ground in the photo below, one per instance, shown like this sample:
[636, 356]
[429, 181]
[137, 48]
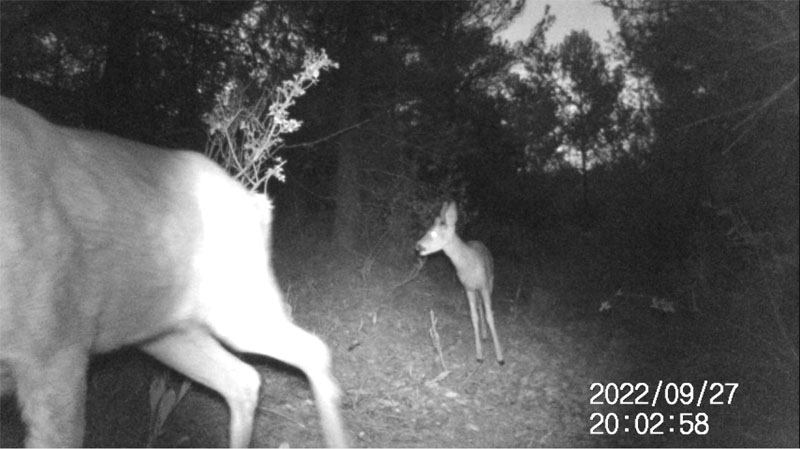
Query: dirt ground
[396, 392]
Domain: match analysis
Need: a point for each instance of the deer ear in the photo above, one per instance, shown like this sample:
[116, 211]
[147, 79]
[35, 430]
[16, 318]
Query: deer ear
[449, 212]
[444, 209]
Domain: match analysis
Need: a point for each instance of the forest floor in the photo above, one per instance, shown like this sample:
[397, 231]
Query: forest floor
[560, 350]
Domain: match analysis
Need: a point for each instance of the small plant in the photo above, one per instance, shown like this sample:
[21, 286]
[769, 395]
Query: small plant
[165, 394]
[661, 304]
[772, 260]
[437, 343]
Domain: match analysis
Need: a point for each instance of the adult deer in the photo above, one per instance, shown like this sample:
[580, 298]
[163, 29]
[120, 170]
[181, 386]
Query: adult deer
[104, 243]
[475, 270]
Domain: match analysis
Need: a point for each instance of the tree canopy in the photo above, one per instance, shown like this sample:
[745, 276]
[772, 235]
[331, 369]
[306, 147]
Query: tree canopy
[694, 114]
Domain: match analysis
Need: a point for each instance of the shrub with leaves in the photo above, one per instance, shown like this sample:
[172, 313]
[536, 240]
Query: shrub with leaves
[245, 129]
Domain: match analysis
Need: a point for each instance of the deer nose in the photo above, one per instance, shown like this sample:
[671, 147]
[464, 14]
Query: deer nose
[418, 248]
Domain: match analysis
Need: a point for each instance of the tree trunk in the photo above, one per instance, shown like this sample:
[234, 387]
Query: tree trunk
[115, 91]
[347, 204]
[585, 179]
[345, 233]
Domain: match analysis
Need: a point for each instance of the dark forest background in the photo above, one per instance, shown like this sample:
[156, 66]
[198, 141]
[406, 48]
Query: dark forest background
[665, 169]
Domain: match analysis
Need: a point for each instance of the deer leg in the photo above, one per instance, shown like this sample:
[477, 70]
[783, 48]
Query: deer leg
[473, 311]
[482, 319]
[487, 304]
[295, 346]
[52, 395]
[196, 354]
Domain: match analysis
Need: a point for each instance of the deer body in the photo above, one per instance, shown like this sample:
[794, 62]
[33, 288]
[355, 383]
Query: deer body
[474, 268]
[106, 243]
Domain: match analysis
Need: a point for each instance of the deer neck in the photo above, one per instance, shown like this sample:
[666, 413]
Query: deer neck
[459, 253]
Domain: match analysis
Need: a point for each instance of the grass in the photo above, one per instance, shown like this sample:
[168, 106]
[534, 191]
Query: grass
[558, 344]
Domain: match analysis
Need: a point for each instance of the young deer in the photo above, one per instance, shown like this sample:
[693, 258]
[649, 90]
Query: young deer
[107, 243]
[475, 270]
